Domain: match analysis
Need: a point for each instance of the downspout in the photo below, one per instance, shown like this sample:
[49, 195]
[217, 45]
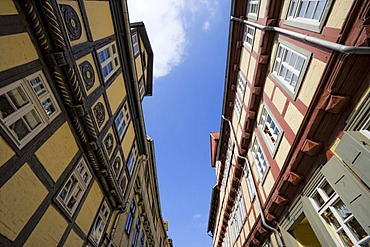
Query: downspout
[360, 50]
[278, 238]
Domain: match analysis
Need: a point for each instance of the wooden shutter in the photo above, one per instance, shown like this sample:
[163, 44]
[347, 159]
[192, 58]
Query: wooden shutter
[349, 188]
[354, 149]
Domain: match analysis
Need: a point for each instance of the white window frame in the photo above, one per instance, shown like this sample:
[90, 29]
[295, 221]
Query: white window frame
[260, 159]
[282, 68]
[131, 160]
[100, 223]
[141, 87]
[135, 44]
[328, 205]
[112, 59]
[122, 120]
[77, 182]
[35, 106]
[251, 190]
[253, 8]
[268, 126]
[248, 36]
[308, 23]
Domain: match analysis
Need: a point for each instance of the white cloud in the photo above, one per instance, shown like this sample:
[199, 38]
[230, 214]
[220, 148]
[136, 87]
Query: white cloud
[167, 22]
[197, 216]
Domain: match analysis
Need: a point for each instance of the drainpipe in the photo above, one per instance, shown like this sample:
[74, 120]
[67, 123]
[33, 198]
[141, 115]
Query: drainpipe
[264, 223]
[361, 50]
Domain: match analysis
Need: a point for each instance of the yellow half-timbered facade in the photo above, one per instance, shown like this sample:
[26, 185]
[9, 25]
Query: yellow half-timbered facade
[76, 165]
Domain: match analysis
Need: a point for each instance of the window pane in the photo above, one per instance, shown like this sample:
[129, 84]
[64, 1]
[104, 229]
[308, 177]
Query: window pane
[330, 219]
[328, 189]
[356, 229]
[20, 129]
[302, 9]
[32, 119]
[319, 10]
[37, 86]
[5, 107]
[48, 107]
[18, 97]
[342, 209]
[345, 239]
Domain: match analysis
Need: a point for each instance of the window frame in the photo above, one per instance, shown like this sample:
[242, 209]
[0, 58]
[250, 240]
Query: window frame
[248, 11]
[251, 190]
[262, 124]
[124, 119]
[246, 35]
[298, 51]
[130, 217]
[131, 160]
[135, 43]
[262, 176]
[111, 59]
[329, 202]
[35, 104]
[136, 233]
[306, 23]
[103, 215]
[81, 183]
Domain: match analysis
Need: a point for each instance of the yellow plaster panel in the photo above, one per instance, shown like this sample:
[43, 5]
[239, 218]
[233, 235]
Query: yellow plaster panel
[7, 7]
[247, 95]
[76, 7]
[284, 10]
[293, 117]
[90, 208]
[282, 152]
[273, 53]
[269, 87]
[128, 139]
[139, 67]
[267, 184]
[311, 81]
[58, 151]
[6, 152]
[90, 59]
[256, 42]
[19, 199]
[101, 100]
[43, 234]
[103, 26]
[73, 240]
[235, 120]
[252, 67]
[116, 93]
[10, 49]
[338, 14]
[244, 60]
[279, 100]
[262, 9]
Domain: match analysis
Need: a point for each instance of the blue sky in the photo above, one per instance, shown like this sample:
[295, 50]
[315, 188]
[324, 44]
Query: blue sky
[189, 39]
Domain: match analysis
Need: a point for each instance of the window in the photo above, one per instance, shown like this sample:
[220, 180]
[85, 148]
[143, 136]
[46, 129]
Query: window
[259, 159]
[122, 120]
[229, 156]
[135, 44]
[141, 87]
[130, 217]
[248, 36]
[26, 107]
[131, 160]
[308, 14]
[252, 8]
[108, 58]
[143, 55]
[136, 234]
[116, 166]
[142, 238]
[100, 223]
[251, 190]
[72, 191]
[337, 216]
[289, 68]
[239, 95]
[271, 131]
[238, 216]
